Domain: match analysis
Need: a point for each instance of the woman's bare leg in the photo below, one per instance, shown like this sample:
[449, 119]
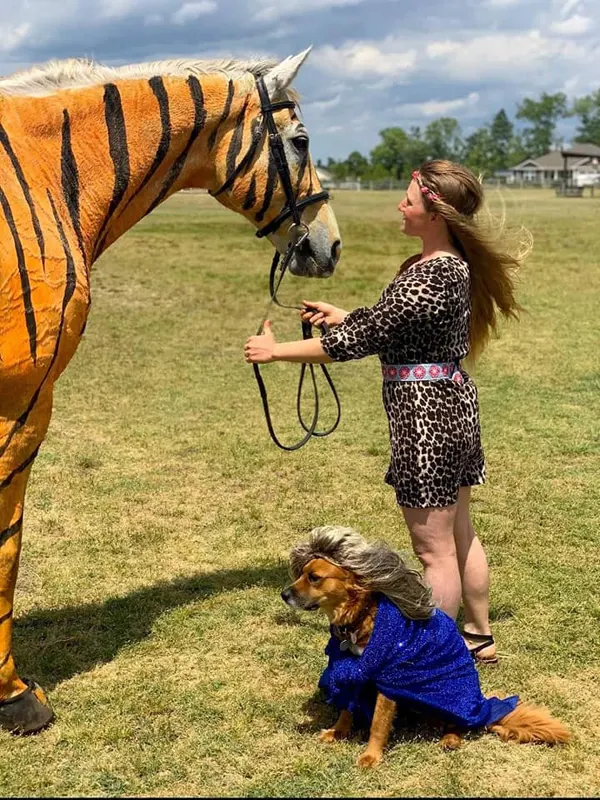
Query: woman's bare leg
[474, 573]
[432, 534]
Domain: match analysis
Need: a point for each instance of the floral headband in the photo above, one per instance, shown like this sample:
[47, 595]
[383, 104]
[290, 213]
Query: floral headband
[429, 193]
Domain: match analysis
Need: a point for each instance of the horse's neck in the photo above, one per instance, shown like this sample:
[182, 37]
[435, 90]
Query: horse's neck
[113, 152]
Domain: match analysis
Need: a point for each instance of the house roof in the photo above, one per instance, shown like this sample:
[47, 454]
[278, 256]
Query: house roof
[584, 149]
[580, 155]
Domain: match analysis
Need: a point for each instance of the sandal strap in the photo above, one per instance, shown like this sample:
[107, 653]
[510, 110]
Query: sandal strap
[481, 646]
[485, 639]
[479, 637]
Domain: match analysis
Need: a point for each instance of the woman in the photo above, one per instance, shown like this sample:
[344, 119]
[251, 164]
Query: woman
[442, 305]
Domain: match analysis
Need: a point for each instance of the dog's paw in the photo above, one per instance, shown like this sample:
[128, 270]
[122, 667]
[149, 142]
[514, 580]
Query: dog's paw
[330, 735]
[369, 760]
[451, 741]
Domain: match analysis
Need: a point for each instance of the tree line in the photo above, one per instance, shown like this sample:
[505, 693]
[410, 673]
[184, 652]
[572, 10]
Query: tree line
[494, 146]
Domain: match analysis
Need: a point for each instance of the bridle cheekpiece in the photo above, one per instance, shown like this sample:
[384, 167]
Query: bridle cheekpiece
[298, 234]
[293, 206]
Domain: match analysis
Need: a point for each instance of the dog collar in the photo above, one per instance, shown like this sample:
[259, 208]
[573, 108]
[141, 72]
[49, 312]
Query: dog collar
[348, 633]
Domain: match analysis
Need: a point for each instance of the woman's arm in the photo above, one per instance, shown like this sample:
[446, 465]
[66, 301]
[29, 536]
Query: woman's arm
[307, 351]
[419, 299]
[264, 349]
[412, 299]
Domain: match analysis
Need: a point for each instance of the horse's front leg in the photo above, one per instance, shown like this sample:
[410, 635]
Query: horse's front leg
[24, 707]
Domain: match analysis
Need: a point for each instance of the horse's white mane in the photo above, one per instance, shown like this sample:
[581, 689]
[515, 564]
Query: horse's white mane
[75, 73]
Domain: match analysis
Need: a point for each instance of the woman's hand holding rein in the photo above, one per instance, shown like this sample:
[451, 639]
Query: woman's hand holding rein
[318, 313]
[263, 349]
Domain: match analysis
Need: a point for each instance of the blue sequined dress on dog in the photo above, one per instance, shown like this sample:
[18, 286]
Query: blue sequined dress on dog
[421, 664]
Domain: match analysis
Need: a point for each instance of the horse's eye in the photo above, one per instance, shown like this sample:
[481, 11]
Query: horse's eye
[312, 578]
[301, 143]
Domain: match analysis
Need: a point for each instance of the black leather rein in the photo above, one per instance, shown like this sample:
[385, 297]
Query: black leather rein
[299, 232]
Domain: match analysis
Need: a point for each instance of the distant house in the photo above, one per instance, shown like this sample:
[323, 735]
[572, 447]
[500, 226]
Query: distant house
[578, 165]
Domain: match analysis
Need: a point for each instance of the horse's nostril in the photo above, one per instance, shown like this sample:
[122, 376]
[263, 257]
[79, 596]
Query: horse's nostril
[335, 250]
[306, 247]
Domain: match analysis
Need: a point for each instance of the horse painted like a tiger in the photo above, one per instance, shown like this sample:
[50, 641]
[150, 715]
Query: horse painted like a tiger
[85, 152]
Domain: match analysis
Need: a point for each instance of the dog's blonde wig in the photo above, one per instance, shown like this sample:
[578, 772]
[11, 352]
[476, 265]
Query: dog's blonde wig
[376, 566]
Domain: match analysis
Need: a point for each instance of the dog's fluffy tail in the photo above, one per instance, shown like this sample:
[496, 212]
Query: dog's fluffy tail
[529, 723]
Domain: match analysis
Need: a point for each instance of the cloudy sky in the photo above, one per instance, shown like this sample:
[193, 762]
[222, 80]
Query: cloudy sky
[375, 63]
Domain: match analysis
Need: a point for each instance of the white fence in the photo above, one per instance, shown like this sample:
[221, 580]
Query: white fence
[388, 184]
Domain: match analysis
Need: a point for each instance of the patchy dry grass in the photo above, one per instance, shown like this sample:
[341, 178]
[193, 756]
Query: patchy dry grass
[159, 518]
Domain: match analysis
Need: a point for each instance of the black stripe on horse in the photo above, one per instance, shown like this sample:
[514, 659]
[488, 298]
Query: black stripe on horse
[225, 114]
[119, 152]
[158, 88]
[24, 275]
[199, 120]
[5, 535]
[70, 180]
[70, 281]
[39, 234]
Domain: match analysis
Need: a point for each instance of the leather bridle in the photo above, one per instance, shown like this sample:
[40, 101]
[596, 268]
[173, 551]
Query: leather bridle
[298, 234]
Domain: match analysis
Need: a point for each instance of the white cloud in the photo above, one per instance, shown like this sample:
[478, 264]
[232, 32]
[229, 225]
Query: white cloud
[569, 6]
[364, 59]
[570, 85]
[333, 129]
[323, 105]
[502, 56]
[12, 36]
[494, 50]
[270, 10]
[115, 9]
[282, 31]
[359, 122]
[191, 11]
[439, 108]
[436, 49]
[573, 26]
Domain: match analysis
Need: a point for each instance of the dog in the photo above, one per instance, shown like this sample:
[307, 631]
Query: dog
[391, 649]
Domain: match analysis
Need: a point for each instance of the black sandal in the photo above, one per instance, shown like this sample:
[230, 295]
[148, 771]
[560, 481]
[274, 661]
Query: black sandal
[485, 640]
[26, 713]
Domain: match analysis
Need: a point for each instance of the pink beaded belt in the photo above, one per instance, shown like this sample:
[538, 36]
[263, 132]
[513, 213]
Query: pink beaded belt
[422, 372]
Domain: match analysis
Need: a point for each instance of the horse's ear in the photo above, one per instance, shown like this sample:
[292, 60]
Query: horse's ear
[280, 77]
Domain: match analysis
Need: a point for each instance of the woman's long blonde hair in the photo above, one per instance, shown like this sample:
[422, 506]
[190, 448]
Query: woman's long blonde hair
[482, 244]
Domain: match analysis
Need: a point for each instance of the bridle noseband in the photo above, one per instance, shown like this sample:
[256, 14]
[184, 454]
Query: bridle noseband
[299, 233]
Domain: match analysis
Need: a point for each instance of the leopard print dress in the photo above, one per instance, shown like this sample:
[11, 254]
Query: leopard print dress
[422, 317]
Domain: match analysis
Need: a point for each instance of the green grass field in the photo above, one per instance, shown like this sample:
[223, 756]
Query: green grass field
[159, 518]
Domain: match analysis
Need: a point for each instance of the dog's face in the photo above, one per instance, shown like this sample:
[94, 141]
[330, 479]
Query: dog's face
[321, 585]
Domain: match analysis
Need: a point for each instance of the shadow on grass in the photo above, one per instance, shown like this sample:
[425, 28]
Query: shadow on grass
[290, 618]
[497, 614]
[54, 644]
[411, 725]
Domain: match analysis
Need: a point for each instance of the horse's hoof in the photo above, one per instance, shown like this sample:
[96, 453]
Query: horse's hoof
[28, 712]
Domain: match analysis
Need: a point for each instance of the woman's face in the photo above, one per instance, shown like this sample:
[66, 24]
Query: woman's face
[415, 218]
